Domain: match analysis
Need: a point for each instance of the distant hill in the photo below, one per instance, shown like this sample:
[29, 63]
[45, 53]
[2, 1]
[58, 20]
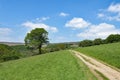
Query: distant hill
[12, 43]
[20, 43]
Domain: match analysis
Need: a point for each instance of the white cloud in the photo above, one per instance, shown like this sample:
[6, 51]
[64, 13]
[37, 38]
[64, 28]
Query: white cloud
[99, 31]
[77, 23]
[5, 34]
[42, 19]
[101, 15]
[111, 13]
[114, 8]
[32, 25]
[92, 31]
[5, 31]
[63, 14]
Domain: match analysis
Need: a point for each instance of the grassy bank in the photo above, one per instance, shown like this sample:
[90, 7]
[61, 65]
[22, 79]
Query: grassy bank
[59, 65]
[109, 53]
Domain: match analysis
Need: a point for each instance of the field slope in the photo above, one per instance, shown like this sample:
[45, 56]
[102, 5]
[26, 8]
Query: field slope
[61, 65]
[109, 53]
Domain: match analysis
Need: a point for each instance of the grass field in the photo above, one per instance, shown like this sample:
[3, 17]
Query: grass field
[109, 53]
[59, 65]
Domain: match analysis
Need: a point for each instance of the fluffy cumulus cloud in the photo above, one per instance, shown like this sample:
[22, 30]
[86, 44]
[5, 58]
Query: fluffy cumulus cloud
[101, 30]
[63, 14]
[32, 25]
[5, 34]
[77, 23]
[114, 8]
[111, 13]
[92, 31]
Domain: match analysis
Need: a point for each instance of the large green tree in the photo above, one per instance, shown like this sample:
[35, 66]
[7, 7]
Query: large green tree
[36, 38]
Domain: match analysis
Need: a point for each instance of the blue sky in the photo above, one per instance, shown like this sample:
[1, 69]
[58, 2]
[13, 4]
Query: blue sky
[65, 20]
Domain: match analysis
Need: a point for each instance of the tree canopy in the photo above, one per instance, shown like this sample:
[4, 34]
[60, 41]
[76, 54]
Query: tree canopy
[113, 38]
[97, 41]
[86, 43]
[36, 38]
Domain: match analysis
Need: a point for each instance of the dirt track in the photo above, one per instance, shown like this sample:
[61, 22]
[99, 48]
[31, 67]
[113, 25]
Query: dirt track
[107, 71]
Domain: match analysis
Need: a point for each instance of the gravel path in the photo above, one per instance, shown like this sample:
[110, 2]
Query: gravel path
[107, 71]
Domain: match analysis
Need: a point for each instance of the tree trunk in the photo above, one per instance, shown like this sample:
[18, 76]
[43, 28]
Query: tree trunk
[40, 51]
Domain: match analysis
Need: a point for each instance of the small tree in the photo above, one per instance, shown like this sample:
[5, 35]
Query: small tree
[86, 43]
[36, 38]
[97, 41]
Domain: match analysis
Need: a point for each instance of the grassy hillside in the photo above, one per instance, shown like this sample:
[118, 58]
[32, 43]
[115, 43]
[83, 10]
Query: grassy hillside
[54, 66]
[109, 53]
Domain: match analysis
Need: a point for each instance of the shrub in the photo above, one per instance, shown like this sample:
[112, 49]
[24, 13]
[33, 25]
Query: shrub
[97, 41]
[54, 47]
[11, 56]
[86, 43]
[8, 53]
[113, 38]
[4, 49]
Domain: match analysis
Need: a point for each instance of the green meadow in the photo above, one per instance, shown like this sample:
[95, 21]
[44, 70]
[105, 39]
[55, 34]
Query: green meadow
[109, 53]
[61, 65]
